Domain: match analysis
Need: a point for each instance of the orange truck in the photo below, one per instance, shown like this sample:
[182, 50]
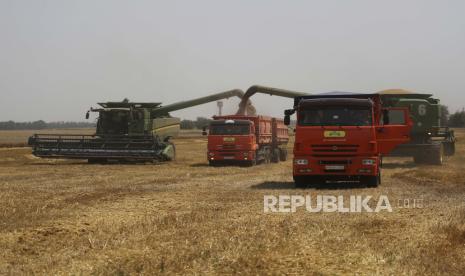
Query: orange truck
[248, 140]
[343, 136]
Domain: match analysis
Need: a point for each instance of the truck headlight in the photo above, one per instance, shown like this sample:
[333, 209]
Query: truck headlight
[301, 162]
[368, 162]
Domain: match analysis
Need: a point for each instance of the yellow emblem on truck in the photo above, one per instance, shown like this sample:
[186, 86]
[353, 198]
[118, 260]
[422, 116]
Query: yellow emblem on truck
[334, 134]
[229, 139]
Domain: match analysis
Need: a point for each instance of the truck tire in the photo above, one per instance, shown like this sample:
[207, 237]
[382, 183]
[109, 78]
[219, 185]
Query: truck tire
[300, 182]
[213, 163]
[282, 155]
[251, 163]
[275, 156]
[373, 181]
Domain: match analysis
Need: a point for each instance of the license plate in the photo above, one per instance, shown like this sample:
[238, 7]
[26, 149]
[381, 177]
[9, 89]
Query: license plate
[334, 134]
[228, 157]
[229, 139]
[334, 167]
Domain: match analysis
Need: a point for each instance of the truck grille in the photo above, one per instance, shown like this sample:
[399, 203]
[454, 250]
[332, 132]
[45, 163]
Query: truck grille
[335, 162]
[229, 147]
[334, 148]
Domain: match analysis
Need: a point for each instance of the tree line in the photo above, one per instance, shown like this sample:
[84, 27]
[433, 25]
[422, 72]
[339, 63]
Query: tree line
[456, 119]
[12, 125]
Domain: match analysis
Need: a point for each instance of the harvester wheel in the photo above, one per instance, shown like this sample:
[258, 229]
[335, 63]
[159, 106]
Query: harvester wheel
[173, 155]
[437, 156]
[449, 148]
[419, 158]
[96, 160]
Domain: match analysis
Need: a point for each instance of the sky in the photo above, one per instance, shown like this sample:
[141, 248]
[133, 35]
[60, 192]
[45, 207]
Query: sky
[59, 58]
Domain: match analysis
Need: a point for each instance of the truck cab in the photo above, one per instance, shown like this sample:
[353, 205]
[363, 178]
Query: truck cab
[344, 137]
[231, 140]
[248, 140]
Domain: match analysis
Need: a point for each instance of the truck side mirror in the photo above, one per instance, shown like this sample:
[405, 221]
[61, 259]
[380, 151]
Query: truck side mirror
[289, 112]
[287, 120]
[287, 116]
[204, 131]
[87, 115]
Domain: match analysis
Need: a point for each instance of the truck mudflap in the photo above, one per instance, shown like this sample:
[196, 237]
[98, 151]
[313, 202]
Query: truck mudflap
[96, 147]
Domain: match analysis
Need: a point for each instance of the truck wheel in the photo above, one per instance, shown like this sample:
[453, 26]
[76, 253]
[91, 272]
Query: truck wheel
[275, 156]
[373, 181]
[251, 163]
[300, 182]
[213, 163]
[282, 155]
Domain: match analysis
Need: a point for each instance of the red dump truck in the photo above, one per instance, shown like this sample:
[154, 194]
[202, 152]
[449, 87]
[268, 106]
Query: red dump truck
[344, 136]
[248, 140]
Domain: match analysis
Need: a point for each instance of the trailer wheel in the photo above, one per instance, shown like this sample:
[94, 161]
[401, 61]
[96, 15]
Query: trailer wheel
[267, 156]
[282, 155]
[275, 156]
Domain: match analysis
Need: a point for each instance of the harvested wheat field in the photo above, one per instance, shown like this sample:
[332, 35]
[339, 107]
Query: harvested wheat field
[69, 217]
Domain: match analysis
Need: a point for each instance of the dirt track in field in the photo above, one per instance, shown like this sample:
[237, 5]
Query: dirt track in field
[61, 217]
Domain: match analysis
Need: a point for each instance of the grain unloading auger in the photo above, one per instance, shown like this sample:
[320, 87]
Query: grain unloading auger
[246, 107]
[126, 131]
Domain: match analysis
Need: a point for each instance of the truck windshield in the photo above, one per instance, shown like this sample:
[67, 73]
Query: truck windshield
[229, 129]
[335, 116]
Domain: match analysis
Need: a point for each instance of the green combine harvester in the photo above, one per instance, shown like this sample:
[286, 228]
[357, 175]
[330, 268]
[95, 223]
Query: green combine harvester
[126, 131]
[430, 141]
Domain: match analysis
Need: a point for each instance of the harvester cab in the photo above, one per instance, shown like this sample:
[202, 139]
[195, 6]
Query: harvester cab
[134, 119]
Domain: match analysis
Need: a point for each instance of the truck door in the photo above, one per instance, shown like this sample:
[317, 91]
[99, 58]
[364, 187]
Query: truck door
[394, 129]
